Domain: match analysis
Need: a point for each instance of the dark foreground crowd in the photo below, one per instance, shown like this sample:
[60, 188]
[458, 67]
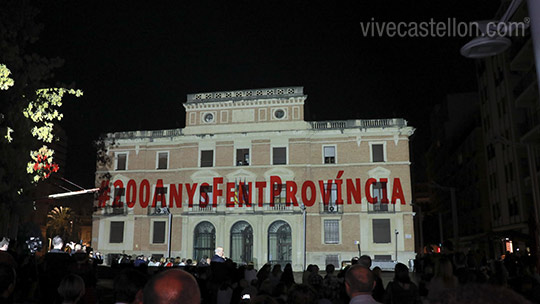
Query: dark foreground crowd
[62, 277]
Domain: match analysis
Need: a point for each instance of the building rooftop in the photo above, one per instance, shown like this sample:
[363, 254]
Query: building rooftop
[281, 92]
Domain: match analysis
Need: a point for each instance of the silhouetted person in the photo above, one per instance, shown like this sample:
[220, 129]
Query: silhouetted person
[302, 294]
[56, 265]
[480, 294]
[71, 289]
[127, 284]
[172, 286]
[401, 290]
[359, 283]
[219, 256]
[5, 256]
[378, 291]
[365, 261]
[7, 282]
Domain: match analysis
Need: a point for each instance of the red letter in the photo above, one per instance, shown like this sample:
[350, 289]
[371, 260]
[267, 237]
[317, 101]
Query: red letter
[131, 193]
[353, 191]
[384, 199]
[144, 193]
[159, 194]
[216, 192]
[309, 202]
[203, 201]
[244, 194]
[291, 193]
[275, 183]
[260, 186]
[325, 195]
[191, 192]
[175, 196]
[397, 192]
[229, 190]
[118, 192]
[369, 198]
[104, 191]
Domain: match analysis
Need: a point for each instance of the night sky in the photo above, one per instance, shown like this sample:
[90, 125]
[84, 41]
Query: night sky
[136, 61]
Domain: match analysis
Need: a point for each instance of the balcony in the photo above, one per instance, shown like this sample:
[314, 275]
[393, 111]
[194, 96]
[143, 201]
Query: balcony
[110, 210]
[331, 208]
[381, 208]
[197, 208]
[360, 123]
[146, 134]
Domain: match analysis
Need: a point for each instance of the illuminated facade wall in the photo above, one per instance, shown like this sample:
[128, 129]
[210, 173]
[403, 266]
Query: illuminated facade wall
[250, 136]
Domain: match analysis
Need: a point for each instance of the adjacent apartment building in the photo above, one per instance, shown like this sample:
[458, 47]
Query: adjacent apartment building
[235, 146]
[510, 110]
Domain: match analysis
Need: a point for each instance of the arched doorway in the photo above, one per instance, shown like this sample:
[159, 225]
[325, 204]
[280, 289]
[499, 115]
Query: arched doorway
[242, 242]
[279, 243]
[204, 240]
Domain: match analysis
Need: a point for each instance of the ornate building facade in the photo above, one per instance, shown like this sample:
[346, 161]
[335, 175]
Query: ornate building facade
[235, 146]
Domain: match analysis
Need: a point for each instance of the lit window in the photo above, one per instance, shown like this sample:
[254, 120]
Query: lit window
[331, 231]
[121, 161]
[242, 157]
[117, 232]
[329, 154]
[377, 153]
[279, 156]
[207, 158]
[163, 160]
[158, 236]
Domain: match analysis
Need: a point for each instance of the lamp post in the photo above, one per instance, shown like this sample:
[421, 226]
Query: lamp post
[303, 208]
[396, 232]
[455, 227]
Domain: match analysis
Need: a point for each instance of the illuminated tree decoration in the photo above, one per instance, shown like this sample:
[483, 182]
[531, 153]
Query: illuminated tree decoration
[42, 164]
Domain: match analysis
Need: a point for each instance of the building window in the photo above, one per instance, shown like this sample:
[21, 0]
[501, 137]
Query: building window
[279, 243]
[381, 231]
[329, 154]
[158, 236]
[331, 231]
[332, 259]
[242, 157]
[279, 156]
[121, 161]
[206, 196]
[279, 194]
[117, 232]
[161, 198]
[204, 240]
[331, 206]
[242, 242]
[377, 153]
[207, 158]
[162, 160]
[377, 193]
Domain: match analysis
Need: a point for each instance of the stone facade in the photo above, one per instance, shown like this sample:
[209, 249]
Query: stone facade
[249, 136]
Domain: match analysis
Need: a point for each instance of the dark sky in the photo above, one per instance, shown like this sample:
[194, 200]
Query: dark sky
[136, 61]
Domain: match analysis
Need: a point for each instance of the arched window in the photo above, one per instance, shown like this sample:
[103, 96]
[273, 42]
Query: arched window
[204, 240]
[279, 243]
[242, 242]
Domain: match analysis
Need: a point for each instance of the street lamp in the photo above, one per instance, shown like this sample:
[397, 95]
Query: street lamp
[482, 47]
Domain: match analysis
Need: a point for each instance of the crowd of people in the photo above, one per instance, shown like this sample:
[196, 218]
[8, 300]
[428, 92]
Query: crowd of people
[70, 276]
